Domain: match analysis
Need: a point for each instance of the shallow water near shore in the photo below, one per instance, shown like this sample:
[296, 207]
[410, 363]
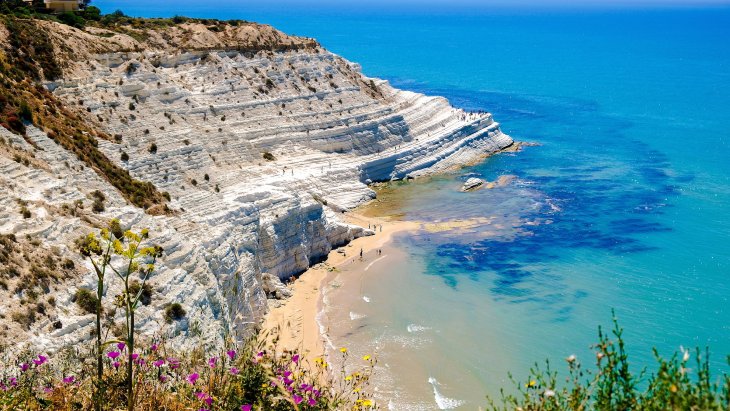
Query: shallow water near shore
[624, 204]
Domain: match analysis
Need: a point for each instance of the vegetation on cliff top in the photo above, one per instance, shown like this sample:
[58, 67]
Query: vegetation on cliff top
[29, 58]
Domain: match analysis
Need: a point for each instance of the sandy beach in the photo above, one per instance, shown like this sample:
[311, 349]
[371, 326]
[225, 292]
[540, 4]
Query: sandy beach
[294, 320]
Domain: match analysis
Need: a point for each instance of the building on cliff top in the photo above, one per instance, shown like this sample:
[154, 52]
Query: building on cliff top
[62, 5]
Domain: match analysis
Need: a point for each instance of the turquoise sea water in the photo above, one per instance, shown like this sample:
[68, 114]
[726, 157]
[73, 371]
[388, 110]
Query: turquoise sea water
[625, 203]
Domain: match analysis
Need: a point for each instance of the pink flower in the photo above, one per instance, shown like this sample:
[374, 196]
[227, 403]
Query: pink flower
[260, 354]
[24, 367]
[48, 390]
[174, 363]
[234, 371]
[13, 381]
[231, 354]
[69, 380]
[158, 363]
[312, 402]
[116, 364]
[113, 354]
[297, 399]
[192, 378]
[153, 347]
[204, 397]
[246, 407]
[212, 361]
[295, 358]
[163, 378]
[40, 361]
[121, 346]
[135, 356]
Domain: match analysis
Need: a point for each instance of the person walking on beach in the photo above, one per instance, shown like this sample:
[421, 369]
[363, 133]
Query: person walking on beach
[361, 253]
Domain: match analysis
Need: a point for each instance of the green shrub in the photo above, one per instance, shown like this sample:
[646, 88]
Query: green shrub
[174, 312]
[86, 300]
[153, 148]
[269, 157]
[72, 19]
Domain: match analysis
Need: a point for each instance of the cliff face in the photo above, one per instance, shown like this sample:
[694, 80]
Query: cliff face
[259, 138]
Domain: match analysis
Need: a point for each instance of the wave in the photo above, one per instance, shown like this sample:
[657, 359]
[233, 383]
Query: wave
[444, 403]
[414, 328]
[366, 298]
[356, 316]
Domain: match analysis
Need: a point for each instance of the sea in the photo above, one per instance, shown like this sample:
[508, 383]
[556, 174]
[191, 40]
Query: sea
[621, 207]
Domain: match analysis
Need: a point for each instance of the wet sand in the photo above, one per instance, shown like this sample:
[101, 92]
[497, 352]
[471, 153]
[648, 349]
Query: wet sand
[294, 321]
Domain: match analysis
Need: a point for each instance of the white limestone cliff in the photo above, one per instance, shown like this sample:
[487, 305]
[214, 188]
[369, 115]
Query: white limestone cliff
[212, 115]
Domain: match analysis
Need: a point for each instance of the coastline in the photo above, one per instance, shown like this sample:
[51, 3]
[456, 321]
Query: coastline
[294, 320]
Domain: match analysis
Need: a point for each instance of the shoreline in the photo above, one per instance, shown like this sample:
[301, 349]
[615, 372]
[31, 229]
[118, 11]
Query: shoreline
[294, 321]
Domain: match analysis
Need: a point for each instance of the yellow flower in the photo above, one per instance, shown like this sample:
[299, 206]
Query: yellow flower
[366, 358]
[530, 384]
[343, 350]
[673, 388]
[348, 378]
[367, 403]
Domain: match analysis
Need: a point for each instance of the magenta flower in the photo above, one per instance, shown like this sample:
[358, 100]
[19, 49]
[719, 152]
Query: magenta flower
[113, 354]
[116, 364]
[69, 380]
[312, 402]
[192, 378]
[297, 399]
[246, 407]
[163, 378]
[121, 346]
[234, 371]
[260, 354]
[48, 390]
[40, 361]
[158, 363]
[24, 367]
[316, 393]
[295, 358]
[135, 356]
[231, 354]
[204, 397]
[212, 361]
[174, 363]
[153, 347]
[13, 381]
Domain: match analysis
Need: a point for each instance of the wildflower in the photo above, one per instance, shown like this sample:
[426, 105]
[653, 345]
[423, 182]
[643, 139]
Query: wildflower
[367, 403]
[158, 363]
[246, 407]
[116, 364]
[231, 354]
[153, 347]
[295, 358]
[297, 398]
[571, 358]
[69, 380]
[348, 378]
[234, 371]
[13, 381]
[163, 378]
[48, 390]
[135, 356]
[531, 384]
[549, 393]
[24, 367]
[192, 378]
[212, 361]
[316, 393]
[113, 354]
[673, 388]
[40, 361]
[174, 363]
[260, 354]
[312, 402]
[204, 397]
[366, 358]
[343, 350]
[599, 355]
[121, 346]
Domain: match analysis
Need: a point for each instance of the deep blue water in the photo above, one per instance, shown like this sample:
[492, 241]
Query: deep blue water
[625, 202]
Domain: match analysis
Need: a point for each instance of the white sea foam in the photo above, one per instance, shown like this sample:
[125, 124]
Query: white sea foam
[444, 403]
[366, 298]
[356, 316]
[415, 328]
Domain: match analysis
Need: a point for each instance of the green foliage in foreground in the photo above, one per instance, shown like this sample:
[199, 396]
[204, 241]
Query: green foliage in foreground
[679, 383]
